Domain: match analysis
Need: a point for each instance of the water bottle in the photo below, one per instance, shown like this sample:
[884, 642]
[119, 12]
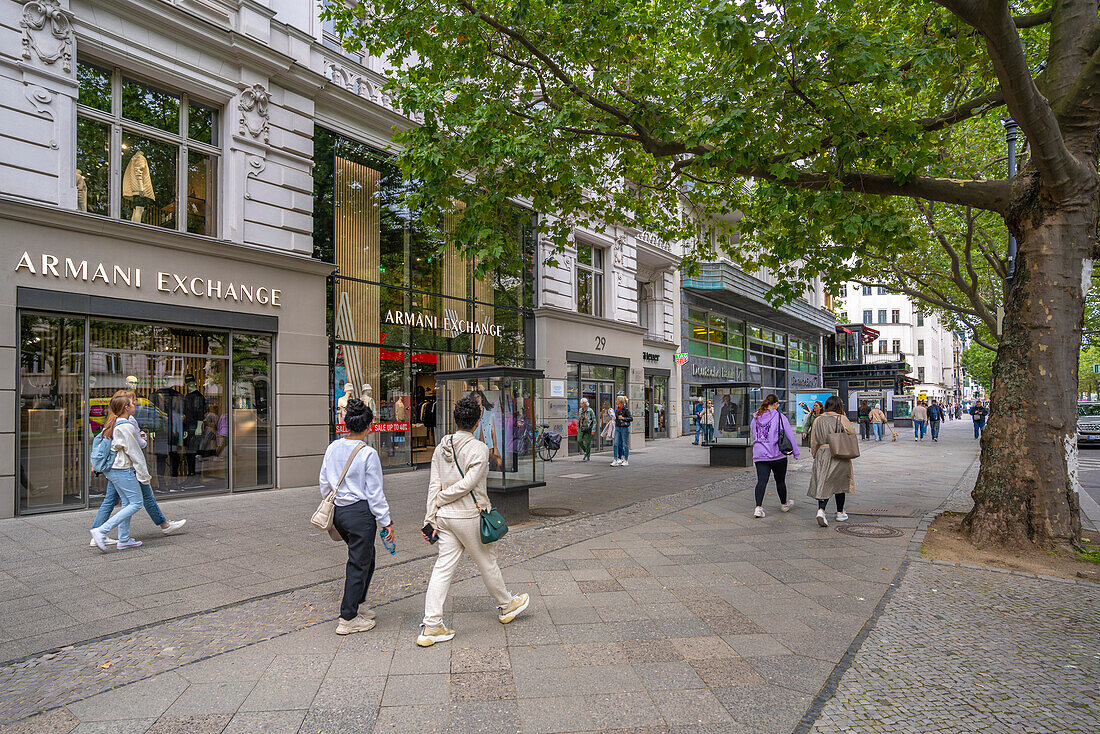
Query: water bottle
[387, 540]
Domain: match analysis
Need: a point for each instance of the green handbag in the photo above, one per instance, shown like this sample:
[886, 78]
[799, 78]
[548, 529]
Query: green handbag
[493, 526]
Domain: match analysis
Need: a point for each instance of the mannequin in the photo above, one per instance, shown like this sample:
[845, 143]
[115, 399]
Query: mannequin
[194, 413]
[137, 181]
[342, 403]
[81, 191]
[367, 397]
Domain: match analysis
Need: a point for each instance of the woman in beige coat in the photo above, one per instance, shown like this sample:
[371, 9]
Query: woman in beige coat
[831, 477]
[456, 496]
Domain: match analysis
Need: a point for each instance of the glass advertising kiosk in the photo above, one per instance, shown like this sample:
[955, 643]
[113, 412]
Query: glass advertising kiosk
[728, 436]
[903, 410]
[510, 418]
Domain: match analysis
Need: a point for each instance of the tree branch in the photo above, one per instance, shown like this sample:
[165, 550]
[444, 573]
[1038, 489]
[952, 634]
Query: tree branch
[964, 111]
[1033, 19]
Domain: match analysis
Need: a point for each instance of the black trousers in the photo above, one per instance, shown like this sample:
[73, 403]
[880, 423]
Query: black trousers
[356, 525]
[864, 427]
[822, 504]
[765, 468]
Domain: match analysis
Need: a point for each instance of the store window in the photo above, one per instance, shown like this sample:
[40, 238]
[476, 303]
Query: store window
[715, 336]
[767, 360]
[160, 149]
[588, 281]
[601, 384]
[203, 402]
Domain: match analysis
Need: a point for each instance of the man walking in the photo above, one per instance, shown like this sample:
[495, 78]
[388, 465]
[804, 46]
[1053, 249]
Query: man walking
[935, 417]
[920, 421]
[878, 422]
[979, 413]
[586, 425]
[697, 416]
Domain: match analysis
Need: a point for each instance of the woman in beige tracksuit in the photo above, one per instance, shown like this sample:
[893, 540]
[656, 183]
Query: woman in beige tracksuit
[456, 491]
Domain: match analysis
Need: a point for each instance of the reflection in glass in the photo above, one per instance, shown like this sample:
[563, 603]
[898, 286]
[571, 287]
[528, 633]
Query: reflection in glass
[201, 175]
[379, 377]
[251, 411]
[202, 123]
[149, 180]
[93, 166]
[95, 86]
[51, 429]
[150, 106]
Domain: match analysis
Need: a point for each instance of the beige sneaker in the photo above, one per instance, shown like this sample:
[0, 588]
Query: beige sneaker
[513, 608]
[430, 635]
[351, 626]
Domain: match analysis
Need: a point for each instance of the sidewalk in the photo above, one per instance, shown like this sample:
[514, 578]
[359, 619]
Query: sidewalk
[677, 612]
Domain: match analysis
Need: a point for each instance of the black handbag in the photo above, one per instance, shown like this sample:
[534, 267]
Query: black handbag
[784, 443]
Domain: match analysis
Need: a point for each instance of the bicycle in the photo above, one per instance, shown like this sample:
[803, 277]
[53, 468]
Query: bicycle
[547, 443]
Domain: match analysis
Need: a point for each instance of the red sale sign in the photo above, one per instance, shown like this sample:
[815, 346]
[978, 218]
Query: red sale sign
[389, 427]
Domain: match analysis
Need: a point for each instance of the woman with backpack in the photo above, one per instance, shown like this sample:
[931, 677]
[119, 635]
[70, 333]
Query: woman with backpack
[127, 472]
[831, 477]
[772, 440]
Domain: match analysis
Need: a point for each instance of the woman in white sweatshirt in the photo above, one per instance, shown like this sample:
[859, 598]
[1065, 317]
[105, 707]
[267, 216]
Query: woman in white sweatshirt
[127, 473]
[456, 496]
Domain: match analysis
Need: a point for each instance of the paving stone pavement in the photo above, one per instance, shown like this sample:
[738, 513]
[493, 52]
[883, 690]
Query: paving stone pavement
[678, 613]
[967, 650]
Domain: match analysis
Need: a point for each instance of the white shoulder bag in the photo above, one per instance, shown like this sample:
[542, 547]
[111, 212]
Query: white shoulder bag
[322, 519]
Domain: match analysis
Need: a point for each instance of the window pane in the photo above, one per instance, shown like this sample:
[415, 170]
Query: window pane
[201, 175]
[584, 292]
[597, 294]
[717, 352]
[737, 355]
[149, 181]
[93, 166]
[150, 106]
[597, 258]
[717, 322]
[697, 316]
[717, 337]
[202, 123]
[251, 411]
[95, 86]
[51, 415]
[698, 349]
[584, 254]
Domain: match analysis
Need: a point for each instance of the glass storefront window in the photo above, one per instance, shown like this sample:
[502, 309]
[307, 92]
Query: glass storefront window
[93, 166]
[51, 410]
[200, 422]
[148, 183]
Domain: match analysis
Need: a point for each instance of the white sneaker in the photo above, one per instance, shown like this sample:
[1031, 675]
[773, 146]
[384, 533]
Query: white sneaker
[916, 439]
[617, 462]
[351, 626]
[625, 463]
[173, 526]
[841, 516]
[758, 512]
[106, 541]
[99, 538]
[786, 506]
[821, 519]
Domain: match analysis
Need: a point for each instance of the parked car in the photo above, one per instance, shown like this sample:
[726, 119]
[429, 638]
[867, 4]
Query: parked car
[1088, 423]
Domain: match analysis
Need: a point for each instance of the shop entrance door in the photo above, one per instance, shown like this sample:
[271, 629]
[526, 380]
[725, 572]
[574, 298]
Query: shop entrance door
[601, 396]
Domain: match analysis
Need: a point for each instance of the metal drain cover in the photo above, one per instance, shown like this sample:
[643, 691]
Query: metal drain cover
[552, 511]
[868, 530]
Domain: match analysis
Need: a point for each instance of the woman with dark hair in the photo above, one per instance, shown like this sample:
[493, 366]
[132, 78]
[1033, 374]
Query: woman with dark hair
[811, 416]
[127, 473]
[360, 508]
[831, 477]
[766, 426]
[456, 496]
[486, 429]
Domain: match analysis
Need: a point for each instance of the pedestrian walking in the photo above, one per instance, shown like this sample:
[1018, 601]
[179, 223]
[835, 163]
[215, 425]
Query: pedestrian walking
[936, 416]
[864, 420]
[127, 473]
[769, 427]
[697, 417]
[831, 477]
[708, 422]
[623, 419]
[920, 421]
[978, 414]
[878, 422]
[586, 426]
[111, 498]
[811, 416]
[456, 497]
[353, 469]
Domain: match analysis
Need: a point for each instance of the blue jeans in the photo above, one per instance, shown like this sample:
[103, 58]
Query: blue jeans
[110, 499]
[877, 428]
[698, 430]
[622, 442]
[978, 426]
[129, 489]
[919, 428]
[935, 429]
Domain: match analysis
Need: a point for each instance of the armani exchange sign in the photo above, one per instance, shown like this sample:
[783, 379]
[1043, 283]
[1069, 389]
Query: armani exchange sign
[450, 325]
[51, 266]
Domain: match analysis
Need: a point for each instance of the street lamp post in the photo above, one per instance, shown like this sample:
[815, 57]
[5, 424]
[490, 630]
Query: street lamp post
[1011, 130]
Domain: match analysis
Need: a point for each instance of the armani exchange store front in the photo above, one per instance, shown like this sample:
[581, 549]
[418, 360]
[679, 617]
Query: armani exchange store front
[400, 310]
[195, 336]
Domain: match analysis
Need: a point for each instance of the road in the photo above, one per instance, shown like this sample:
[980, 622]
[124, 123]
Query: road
[1088, 468]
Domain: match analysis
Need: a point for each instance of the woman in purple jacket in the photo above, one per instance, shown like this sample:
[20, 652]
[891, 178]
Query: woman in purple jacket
[766, 425]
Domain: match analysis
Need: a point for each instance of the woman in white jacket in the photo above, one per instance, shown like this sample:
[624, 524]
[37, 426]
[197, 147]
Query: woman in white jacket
[127, 473]
[456, 496]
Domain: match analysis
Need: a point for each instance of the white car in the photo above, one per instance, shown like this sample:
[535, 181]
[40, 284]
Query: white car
[1088, 423]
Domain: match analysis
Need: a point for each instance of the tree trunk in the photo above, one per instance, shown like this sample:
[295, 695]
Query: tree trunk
[1027, 486]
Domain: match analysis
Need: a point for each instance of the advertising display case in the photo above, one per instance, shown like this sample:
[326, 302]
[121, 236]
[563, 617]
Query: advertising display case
[728, 412]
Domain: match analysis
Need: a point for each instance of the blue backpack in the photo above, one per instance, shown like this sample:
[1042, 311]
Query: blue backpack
[103, 458]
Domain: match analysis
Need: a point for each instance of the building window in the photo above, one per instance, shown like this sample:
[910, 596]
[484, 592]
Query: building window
[867, 316]
[897, 346]
[920, 347]
[882, 290]
[895, 316]
[920, 319]
[803, 355]
[920, 374]
[882, 315]
[715, 336]
[866, 290]
[589, 280]
[868, 349]
[843, 317]
[160, 149]
[882, 346]
[844, 290]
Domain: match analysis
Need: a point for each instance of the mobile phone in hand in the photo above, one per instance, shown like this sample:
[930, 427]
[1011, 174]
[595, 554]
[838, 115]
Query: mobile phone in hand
[430, 533]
